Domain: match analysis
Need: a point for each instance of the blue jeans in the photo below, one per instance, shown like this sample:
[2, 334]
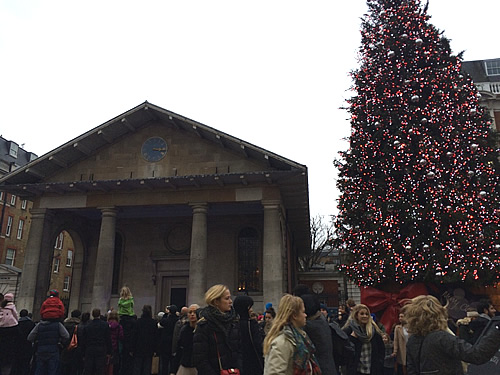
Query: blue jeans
[47, 364]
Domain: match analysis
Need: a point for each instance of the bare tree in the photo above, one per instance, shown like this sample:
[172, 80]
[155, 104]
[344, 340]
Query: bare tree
[321, 243]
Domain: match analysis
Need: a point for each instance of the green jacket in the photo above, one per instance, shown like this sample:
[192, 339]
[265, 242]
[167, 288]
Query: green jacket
[126, 306]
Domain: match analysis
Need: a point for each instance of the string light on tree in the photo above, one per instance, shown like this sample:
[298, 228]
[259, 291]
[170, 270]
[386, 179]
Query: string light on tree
[420, 182]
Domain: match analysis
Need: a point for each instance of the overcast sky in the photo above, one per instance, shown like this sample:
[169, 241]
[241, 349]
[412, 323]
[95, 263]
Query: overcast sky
[273, 73]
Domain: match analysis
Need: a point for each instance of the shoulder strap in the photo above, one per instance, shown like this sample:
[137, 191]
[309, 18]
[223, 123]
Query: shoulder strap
[253, 345]
[217, 347]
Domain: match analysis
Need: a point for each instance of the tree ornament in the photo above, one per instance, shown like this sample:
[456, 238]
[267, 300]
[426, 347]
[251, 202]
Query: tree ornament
[474, 147]
[419, 42]
[478, 95]
[423, 121]
[473, 111]
[440, 93]
[426, 247]
[422, 162]
[404, 36]
[408, 248]
[415, 98]
[391, 54]
[497, 247]
[430, 175]
[449, 154]
[482, 194]
[396, 143]
[470, 174]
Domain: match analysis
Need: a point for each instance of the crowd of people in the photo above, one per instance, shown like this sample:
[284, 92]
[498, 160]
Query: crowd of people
[227, 337]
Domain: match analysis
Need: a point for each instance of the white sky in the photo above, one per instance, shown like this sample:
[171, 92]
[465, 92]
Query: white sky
[273, 73]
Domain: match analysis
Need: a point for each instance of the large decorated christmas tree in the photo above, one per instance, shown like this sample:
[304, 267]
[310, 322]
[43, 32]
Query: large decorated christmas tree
[420, 181]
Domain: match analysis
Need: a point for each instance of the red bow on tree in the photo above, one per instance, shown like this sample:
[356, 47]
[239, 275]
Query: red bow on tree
[378, 300]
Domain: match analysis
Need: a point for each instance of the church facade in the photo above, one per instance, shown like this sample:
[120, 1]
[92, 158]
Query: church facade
[164, 205]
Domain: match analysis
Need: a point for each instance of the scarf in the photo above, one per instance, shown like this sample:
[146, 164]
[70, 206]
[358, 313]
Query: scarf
[304, 361]
[360, 332]
[221, 321]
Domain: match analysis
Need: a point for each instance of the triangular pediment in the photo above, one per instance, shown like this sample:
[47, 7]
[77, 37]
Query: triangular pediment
[113, 151]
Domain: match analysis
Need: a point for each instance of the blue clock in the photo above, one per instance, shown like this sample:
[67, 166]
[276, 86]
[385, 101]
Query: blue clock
[154, 149]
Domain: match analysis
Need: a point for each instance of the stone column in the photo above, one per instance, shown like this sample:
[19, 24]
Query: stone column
[198, 259]
[35, 278]
[272, 258]
[103, 275]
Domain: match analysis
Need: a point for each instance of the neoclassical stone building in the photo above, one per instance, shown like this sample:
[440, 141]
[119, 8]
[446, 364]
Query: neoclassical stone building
[167, 206]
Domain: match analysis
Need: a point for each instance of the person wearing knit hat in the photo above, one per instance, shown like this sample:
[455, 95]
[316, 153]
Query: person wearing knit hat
[52, 307]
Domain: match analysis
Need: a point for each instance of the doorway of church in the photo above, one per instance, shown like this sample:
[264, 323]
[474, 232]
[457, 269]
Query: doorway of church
[174, 291]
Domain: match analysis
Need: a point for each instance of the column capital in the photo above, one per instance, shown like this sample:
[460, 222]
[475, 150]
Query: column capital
[199, 207]
[271, 204]
[41, 213]
[108, 211]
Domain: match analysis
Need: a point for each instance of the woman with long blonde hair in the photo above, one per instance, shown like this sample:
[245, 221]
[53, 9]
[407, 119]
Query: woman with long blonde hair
[216, 342]
[368, 343]
[432, 349]
[287, 348]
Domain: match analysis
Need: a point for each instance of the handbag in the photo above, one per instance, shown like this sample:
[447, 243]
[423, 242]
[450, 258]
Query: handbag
[73, 344]
[229, 371]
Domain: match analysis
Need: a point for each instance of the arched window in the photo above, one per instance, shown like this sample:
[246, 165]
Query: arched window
[249, 260]
[117, 261]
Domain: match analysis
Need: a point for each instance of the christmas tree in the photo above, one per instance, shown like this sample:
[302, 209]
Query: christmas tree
[419, 184]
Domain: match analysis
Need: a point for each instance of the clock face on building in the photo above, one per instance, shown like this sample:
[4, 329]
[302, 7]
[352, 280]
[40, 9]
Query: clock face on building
[318, 287]
[154, 149]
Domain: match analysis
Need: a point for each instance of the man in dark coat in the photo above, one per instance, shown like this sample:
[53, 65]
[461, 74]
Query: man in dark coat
[166, 334]
[96, 344]
[25, 349]
[319, 332]
[48, 336]
[251, 338]
[486, 312]
[144, 342]
[127, 361]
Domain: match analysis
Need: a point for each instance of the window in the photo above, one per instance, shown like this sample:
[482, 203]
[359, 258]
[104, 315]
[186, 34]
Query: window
[248, 260]
[20, 229]
[1, 196]
[66, 283]
[13, 149]
[69, 259]
[59, 241]
[10, 220]
[10, 257]
[23, 204]
[493, 67]
[57, 263]
[12, 200]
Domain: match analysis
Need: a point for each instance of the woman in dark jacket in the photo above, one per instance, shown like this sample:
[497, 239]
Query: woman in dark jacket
[251, 338]
[184, 353]
[368, 344]
[217, 334]
[432, 349]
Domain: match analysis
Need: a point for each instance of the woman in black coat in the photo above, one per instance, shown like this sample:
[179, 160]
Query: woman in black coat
[368, 344]
[217, 334]
[432, 349]
[144, 342]
[251, 338]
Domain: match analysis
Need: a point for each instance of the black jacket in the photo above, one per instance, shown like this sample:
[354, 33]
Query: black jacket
[377, 355]
[319, 332]
[145, 337]
[96, 338]
[251, 347]
[205, 348]
[25, 350]
[185, 346]
[441, 353]
[477, 326]
[167, 333]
